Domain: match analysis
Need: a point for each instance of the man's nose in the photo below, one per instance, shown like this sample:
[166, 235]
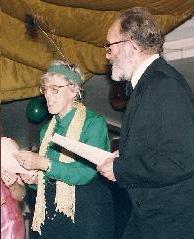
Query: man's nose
[108, 56]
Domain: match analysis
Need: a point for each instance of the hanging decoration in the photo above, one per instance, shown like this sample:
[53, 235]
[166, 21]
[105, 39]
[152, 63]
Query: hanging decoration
[36, 24]
[36, 110]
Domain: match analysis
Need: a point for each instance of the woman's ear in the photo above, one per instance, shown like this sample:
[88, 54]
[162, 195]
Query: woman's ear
[75, 89]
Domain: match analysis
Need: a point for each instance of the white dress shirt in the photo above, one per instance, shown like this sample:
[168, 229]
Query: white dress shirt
[141, 69]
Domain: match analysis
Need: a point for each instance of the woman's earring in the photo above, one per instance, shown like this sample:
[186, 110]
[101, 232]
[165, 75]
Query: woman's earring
[75, 102]
[77, 99]
[80, 95]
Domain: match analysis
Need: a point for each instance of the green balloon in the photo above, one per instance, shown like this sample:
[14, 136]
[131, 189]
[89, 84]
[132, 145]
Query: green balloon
[36, 110]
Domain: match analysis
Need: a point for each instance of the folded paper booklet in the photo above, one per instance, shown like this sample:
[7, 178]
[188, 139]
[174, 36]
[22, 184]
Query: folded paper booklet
[92, 154]
[8, 160]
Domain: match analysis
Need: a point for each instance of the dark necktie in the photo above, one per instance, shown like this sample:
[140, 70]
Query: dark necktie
[128, 89]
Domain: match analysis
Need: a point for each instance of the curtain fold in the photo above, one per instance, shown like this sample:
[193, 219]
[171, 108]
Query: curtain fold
[80, 27]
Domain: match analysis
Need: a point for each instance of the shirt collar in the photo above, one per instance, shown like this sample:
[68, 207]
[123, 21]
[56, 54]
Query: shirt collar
[141, 69]
[64, 121]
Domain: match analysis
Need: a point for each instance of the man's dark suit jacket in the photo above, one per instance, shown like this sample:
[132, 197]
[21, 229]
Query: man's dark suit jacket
[156, 161]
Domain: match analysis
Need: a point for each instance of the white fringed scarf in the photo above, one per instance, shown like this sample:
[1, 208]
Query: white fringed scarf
[65, 194]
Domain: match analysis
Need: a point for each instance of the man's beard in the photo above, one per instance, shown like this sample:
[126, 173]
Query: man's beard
[119, 74]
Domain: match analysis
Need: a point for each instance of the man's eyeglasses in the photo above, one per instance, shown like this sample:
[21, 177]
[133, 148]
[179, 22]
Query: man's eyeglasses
[54, 89]
[108, 45]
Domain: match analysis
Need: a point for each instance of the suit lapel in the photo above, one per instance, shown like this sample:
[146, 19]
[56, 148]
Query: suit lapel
[135, 100]
[132, 107]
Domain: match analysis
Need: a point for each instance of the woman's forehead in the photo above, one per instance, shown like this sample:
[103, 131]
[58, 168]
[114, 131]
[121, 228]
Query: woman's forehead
[54, 80]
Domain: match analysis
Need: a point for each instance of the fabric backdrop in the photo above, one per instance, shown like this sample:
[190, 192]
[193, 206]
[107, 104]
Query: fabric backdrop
[80, 28]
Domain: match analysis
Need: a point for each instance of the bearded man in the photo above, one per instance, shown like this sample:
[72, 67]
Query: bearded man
[156, 151]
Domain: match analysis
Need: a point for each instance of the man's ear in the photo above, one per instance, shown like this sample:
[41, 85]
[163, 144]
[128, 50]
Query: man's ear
[131, 48]
[128, 51]
[135, 46]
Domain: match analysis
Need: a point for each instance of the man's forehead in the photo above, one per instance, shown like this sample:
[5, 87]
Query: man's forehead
[114, 30]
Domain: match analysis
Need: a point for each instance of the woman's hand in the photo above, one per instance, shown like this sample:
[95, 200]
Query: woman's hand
[8, 177]
[32, 161]
[32, 179]
[14, 183]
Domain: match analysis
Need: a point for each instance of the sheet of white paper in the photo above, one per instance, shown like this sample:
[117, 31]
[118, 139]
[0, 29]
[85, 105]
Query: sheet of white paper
[8, 161]
[92, 154]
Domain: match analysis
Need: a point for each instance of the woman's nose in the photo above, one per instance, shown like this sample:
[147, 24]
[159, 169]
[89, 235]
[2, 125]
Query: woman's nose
[48, 93]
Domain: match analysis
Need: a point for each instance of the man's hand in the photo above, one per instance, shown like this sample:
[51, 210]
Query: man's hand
[32, 161]
[106, 169]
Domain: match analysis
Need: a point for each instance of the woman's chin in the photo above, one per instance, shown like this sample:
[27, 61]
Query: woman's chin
[52, 111]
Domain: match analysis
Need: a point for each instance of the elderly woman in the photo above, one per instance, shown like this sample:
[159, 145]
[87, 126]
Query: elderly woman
[73, 201]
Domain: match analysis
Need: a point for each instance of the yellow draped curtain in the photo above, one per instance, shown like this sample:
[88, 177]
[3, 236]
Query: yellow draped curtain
[80, 27]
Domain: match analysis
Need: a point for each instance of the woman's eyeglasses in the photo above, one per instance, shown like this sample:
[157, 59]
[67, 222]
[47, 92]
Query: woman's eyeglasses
[54, 89]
